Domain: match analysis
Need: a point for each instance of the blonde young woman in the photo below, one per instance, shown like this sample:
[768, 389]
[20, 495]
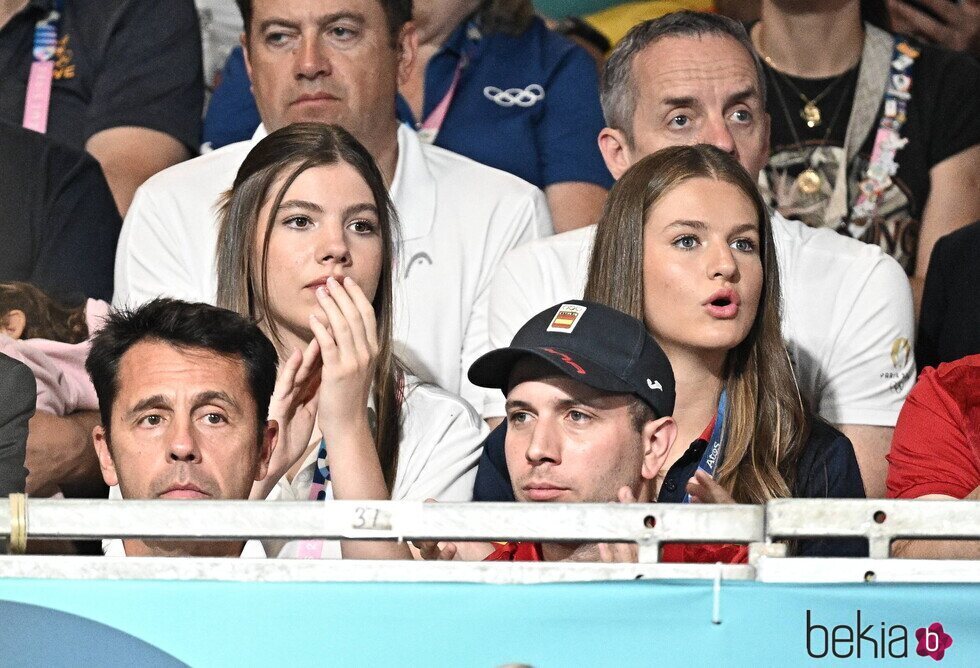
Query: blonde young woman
[685, 245]
[307, 248]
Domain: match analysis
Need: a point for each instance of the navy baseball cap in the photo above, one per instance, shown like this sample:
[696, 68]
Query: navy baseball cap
[592, 344]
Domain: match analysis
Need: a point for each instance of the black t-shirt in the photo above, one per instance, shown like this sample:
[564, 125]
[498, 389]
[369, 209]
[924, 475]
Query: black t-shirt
[949, 324]
[58, 221]
[118, 63]
[943, 119]
[827, 469]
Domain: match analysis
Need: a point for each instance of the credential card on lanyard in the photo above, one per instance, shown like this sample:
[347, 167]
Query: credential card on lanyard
[712, 453]
[38, 98]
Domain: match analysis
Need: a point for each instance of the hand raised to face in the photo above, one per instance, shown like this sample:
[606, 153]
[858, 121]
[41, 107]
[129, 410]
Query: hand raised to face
[347, 334]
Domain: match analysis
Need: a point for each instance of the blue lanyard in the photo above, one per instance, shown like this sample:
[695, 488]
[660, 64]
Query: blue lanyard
[713, 452]
[321, 474]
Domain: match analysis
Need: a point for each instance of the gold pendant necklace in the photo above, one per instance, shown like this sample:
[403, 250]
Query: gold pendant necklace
[808, 183]
[811, 114]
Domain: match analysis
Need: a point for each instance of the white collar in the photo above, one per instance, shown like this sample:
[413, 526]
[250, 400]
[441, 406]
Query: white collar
[413, 189]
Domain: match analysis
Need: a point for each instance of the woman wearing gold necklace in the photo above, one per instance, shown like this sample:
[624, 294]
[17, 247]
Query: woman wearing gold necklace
[873, 134]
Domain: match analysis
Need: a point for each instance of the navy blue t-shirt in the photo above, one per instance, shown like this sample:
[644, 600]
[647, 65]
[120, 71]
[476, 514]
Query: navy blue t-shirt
[231, 114]
[827, 469]
[526, 104]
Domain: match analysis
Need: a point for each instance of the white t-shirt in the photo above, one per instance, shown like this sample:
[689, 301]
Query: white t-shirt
[458, 219]
[847, 314]
[442, 438]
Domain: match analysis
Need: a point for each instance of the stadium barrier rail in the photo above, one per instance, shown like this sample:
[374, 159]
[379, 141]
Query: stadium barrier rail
[647, 525]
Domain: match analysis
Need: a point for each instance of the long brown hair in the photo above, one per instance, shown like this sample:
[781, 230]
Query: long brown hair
[766, 426]
[44, 317]
[243, 287]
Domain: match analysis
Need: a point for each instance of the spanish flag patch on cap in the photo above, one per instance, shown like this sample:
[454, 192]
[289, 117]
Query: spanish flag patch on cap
[566, 318]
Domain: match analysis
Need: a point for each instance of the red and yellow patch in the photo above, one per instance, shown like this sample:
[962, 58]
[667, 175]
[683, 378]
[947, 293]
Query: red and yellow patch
[566, 318]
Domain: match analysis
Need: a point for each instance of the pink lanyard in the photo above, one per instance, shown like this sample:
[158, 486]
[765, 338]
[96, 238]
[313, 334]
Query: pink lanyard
[430, 127]
[38, 99]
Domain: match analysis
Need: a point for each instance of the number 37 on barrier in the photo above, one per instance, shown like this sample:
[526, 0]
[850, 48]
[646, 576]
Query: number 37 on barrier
[371, 518]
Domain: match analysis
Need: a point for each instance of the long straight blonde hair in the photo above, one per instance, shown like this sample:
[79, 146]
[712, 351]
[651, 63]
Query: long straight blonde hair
[766, 426]
[244, 287]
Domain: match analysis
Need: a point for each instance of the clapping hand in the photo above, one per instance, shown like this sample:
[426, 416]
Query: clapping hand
[293, 407]
[704, 489]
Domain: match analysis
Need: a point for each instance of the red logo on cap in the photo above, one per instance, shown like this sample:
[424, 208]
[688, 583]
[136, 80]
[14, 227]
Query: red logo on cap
[567, 360]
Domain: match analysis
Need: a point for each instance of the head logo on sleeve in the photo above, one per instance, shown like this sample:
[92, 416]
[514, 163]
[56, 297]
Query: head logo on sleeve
[566, 318]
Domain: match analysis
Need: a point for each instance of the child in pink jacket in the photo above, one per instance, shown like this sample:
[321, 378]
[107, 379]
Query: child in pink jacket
[54, 342]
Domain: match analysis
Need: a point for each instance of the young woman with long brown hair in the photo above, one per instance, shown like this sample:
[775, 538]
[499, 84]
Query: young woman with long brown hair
[307, 247]
[685, 245]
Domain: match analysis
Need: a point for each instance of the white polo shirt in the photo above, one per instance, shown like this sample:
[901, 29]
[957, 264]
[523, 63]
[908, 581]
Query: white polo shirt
[442, 438]
[458, 219]
[847, 314]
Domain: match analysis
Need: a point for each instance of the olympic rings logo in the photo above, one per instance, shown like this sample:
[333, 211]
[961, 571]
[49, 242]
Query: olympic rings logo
[521, 97]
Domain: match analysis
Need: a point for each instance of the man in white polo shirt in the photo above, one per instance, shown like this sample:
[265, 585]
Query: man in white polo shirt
[847, 307]
[340, 61]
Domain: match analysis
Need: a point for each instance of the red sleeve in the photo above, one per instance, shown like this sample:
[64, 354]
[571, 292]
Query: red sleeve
[502, 552]
[515, 552]
[931, 452]
[704, 553]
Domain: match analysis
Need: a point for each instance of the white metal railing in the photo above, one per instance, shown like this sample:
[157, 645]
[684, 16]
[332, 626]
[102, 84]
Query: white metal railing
[647, 525]
[880, 521]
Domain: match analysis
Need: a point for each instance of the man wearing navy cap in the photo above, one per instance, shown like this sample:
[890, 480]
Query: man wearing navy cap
[589, 397]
